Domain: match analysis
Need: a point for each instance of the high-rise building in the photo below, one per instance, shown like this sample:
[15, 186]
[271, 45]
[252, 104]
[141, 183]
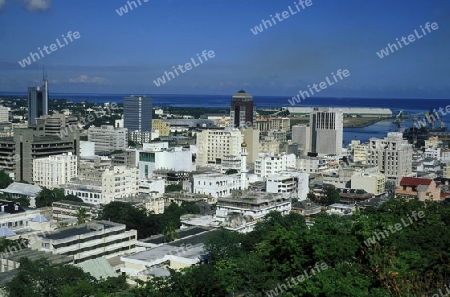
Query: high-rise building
[301, 135]
[137, 113]
[107, 138]
[243, 111]
[214, 145]
[37, 102]
[52, 171]
[392, 155]
[18, 152]
[326, 131]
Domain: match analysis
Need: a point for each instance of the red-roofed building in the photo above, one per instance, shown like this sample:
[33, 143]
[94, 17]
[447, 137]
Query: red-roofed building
[422, 188]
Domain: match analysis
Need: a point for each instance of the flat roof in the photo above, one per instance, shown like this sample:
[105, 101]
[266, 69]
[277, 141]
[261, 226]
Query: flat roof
[159, 239]
[78, 230]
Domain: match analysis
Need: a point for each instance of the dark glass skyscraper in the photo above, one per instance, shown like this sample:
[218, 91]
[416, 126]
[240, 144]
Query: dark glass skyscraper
[37, 102]
[137, 113]
[243, 111]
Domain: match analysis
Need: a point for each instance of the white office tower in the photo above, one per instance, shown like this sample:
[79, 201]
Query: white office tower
[326, 131]
[392, 155]
[214, 145]
[244, 153]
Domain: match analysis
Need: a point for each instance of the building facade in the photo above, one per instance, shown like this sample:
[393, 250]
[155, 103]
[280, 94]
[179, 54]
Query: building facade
[214, 145]
[392, 155]
[162, 126]
[270, 163]
[326, 131]
[107, 138]
[243, 111]
[137, 113]
[37, 102]
[52, 171]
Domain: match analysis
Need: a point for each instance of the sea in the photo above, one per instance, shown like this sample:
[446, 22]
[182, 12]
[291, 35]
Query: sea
[414, 107]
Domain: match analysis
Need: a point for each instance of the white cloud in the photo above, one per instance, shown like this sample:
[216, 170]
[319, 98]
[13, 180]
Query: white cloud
[36, 5]
[83, 78]
[2, 2]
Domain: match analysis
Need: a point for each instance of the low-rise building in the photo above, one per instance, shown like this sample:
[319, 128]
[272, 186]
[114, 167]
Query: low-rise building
[371, 182]
[270, 163]
[341, 209]
[253, 204]
[89, 241]
[216, 184]
[66, 210]
[421, 188]
[162, 126]
[312, 164]
[107, 138]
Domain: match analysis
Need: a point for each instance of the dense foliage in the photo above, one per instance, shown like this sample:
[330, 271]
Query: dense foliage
[147, 223]
[411, 260]
[46, 197]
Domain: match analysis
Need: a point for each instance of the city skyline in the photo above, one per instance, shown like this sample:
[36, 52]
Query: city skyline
[125, 54]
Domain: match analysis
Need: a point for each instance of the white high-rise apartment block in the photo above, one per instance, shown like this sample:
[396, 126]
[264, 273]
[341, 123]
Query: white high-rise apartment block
[105, 186]
[214, 145]
[108, 139]
[4, 114]
[270, 163]
[326, 131]
[54, 170]
[392, 155]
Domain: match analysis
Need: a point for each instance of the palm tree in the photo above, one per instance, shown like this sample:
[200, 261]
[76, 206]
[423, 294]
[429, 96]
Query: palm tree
[170, 234]
[82, 216]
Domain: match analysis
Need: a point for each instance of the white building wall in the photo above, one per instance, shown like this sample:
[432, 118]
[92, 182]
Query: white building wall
[215, 144]
[270, 163]
[87, 148]
[216, 185]
[54, 170]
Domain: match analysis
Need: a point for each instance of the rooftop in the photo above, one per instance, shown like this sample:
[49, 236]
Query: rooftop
[80, 230]
[415, 181]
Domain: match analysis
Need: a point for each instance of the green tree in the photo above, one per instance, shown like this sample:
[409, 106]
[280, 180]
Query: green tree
[82, 216]
[5, 180]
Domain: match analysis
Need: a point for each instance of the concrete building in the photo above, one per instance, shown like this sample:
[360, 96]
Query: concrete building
[173, 159]
[58, 124]
[341, 209]
[269, 144]
[108, 139]
[66, 210]
[421, 188]
[4, 114]
[18, 152]
[52, 171]
[214, 145]
[217, 185]
[104, 186]
[312, 164]
[253, 204]
[89, 241]
[87, 149]
[392, 155]
[301, 134]
[152, 186]
[251, 138]
[137, 113]
[295, 183]
[360, 153]
[162, 126]
[268, 124]
[243, 111]
[326, 131]
[371, 182]
[433, 153]
[37, 102]
[270, 163]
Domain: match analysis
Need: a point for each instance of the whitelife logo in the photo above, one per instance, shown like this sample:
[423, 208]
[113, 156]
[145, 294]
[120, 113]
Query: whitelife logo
[380, 235]
[53, 48]
[188, 66]
[411, 38]
[285, 14]
[124, 9]
[323, 85]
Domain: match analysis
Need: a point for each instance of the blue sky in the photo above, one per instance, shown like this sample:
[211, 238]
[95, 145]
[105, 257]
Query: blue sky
[125, 54]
